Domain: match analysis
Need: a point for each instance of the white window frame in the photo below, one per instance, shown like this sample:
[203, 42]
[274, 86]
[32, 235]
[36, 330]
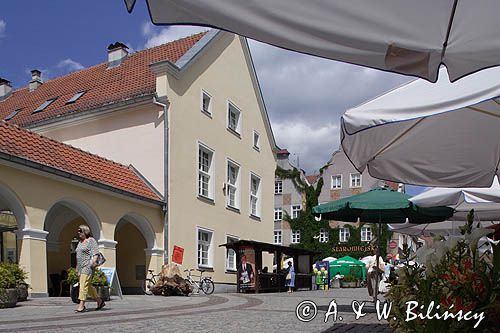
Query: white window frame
[295, 237]
[255, 196]
[351, 180]
[278, 236]
[256, 142]
[237, 130]
[210, 251]
[202, 173]
[278, 186]
[230, 253]
[323, 235]
[344, 234]
[335, 184]
[295, 211]
[233, 186]
[365, 231]
[279, 211]
[209, 110]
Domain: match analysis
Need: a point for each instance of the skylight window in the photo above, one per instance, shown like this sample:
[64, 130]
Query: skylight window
[12, 115]
[45, 104]
[76, 97]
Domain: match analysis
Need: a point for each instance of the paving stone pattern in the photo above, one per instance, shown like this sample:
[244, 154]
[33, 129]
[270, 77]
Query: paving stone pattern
[273, 312]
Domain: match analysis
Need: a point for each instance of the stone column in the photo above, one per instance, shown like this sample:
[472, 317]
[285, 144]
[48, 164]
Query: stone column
[32, 249]
[154, 259]
[108, 249]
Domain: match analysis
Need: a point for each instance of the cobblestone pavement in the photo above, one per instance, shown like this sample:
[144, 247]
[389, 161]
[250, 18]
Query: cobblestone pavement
[274, 312]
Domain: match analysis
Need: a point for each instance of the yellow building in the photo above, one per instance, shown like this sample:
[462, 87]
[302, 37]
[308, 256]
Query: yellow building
[190, 117]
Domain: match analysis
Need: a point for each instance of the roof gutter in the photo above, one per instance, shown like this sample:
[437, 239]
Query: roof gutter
[165, 104]
[64, 174]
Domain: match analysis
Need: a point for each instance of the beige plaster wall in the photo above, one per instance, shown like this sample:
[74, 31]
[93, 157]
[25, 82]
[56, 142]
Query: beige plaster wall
[37, 193]
[222, 72]
[130, 136]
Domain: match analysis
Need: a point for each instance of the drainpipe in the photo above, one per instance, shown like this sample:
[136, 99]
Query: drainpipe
[164, 103]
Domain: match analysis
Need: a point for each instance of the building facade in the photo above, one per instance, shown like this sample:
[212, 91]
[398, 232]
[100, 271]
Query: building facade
[287, 201]
[190, 117]
[342, 180]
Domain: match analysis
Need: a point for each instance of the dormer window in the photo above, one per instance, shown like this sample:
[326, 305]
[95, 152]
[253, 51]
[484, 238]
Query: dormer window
[75, 97]
[45, 105]
[12, 115]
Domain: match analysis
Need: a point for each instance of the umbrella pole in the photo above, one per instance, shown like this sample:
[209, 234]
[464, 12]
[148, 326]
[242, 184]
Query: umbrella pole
[375, 295]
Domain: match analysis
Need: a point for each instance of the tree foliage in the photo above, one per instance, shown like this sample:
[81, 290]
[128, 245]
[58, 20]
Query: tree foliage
[310, 228]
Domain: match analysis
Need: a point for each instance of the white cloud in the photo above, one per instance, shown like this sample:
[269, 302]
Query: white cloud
[313, 144]
[305, 97]
[69, 65]
[3, 27]
[155, 36]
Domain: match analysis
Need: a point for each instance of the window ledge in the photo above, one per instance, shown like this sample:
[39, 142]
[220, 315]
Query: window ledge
[206, 200]
[255, 217]
[206, 113]
[233, 209]
[232, 131]
[230, 271]
[256, 148]
[206, 268]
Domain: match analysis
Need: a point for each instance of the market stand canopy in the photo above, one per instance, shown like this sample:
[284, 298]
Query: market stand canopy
[403, 36]
[347, 266]
[380, 205]
[442, 134]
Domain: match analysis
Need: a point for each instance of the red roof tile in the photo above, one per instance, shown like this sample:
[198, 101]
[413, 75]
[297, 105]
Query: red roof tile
[312, 179]
[283, 152]
[39, 149]
[131, 79]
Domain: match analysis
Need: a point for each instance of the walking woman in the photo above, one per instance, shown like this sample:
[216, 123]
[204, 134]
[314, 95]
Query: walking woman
[290, 277]
[86, 259]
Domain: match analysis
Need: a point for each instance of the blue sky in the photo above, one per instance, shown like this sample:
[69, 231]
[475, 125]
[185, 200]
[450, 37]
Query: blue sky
[305, 96]
[58, 36]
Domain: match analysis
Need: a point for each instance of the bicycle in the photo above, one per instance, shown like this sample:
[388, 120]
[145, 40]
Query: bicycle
[149, 282]
[204, 284]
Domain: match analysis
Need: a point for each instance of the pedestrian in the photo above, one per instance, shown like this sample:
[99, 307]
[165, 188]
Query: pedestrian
[290, 277]
[87, 252]
[374, 273]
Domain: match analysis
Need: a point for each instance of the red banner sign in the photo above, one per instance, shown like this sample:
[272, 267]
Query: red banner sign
[178, 255]
[393, 244]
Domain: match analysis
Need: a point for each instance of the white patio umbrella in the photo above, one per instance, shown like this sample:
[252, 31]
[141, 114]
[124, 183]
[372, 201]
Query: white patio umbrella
[445, 228]
[403, 36]
[484, 201]
[442, 134]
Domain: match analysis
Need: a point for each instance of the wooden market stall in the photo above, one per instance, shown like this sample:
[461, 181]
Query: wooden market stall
[251, 276]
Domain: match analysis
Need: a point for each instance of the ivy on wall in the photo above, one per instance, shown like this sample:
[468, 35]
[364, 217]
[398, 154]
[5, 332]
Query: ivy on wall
[310, 228]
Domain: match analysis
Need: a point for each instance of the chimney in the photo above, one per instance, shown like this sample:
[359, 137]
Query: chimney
[117, 53]
[36, 79]
[5, 89]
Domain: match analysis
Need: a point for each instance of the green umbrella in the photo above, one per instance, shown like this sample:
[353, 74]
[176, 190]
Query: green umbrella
[380, 205]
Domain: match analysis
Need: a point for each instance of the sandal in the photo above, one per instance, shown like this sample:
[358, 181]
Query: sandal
[100, 305]
[82, 310]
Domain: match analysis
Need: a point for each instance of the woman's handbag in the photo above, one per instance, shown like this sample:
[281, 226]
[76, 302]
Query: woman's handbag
[289, 276]
[100, 259]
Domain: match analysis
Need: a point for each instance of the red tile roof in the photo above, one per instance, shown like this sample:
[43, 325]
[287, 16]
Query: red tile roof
[27, 145]
[312, 179]
[283, 152]
[131, 79]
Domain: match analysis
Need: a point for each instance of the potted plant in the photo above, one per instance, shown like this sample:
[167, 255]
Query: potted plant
[349, 281]
[100, 282]
[74, 289]
[21, 285]
[452, 275]
[8, 292]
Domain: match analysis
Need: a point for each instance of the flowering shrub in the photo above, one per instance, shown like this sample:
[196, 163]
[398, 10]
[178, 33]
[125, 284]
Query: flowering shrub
[450, 279]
